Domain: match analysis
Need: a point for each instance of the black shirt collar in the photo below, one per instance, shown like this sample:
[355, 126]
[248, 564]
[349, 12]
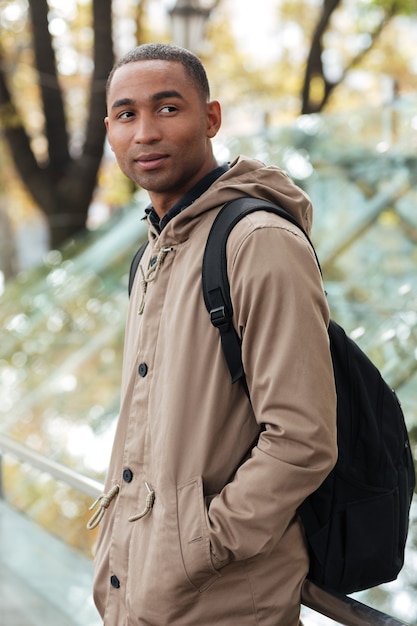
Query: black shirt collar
[188, 198]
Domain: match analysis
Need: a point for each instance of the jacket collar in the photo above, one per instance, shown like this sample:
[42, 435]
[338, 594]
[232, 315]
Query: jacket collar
[188, 198]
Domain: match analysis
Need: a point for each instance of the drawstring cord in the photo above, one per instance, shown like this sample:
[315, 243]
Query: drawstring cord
[104, 501]
[151, 274]
[150, 499]
[105, 498]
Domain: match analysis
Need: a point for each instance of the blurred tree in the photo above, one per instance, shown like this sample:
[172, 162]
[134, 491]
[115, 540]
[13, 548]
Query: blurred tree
[372, 18]
[52, 119]
[330, 55]
[7, 251]
[61, 182]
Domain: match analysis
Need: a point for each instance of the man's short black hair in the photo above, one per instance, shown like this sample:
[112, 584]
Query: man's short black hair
[167, 52]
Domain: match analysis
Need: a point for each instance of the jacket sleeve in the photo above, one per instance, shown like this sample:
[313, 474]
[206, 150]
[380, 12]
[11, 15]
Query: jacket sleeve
[282, 316]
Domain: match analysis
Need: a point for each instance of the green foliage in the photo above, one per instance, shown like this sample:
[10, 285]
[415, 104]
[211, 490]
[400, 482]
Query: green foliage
[395, 7]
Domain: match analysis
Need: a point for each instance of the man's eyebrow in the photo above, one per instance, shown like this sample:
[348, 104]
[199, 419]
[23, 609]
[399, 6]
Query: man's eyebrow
[123, 102]
[169, 93]
[156, 97]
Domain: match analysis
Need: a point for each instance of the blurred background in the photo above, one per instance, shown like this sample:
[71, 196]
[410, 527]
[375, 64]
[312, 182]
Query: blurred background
[326, 89]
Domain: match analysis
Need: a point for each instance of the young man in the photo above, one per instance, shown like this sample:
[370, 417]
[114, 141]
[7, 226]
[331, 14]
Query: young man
[199, 521]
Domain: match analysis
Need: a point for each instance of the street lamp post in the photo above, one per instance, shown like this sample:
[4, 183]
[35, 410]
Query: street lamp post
[188, 21]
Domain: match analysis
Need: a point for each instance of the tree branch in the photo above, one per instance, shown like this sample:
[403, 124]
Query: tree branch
[53, 105]
[19, 145]
[88, 163]
[314, 65]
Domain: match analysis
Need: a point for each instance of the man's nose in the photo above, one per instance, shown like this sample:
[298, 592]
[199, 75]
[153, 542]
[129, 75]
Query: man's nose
[146, 130]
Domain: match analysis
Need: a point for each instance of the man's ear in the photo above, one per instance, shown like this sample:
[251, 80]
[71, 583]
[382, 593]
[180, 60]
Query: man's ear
[214, 118]
[106, 123]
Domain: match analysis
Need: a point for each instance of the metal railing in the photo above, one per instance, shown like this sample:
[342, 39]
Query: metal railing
[70, 477]
[344, 610]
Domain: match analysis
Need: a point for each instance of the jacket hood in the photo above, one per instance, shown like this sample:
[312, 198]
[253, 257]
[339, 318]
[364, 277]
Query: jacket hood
[249, 177]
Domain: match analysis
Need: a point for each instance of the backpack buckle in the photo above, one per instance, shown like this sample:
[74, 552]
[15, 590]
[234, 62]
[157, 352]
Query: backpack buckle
[219, 318]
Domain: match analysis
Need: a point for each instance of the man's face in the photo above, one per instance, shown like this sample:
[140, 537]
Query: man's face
[160, 128]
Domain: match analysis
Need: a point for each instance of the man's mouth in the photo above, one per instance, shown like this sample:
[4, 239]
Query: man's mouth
[150, 161]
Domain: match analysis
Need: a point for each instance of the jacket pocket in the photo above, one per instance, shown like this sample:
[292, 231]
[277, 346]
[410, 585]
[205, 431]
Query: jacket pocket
[194, 536]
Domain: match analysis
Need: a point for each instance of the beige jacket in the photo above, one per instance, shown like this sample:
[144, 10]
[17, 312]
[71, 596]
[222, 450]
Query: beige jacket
[221, 542]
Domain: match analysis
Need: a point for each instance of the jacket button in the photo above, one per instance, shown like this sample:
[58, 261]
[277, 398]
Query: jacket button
[153, 261]
[127, 475]
[143, 370]
[114, 581]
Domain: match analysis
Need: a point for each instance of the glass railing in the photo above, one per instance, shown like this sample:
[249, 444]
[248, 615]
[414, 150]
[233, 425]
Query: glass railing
[61, 337]
[44, 582]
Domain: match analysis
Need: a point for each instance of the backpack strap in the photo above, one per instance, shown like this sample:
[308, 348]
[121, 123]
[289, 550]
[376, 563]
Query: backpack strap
[135, 264]
[216, 288]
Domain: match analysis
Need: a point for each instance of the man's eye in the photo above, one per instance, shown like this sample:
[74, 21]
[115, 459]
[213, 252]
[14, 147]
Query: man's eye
[124, 115]
[169, 108]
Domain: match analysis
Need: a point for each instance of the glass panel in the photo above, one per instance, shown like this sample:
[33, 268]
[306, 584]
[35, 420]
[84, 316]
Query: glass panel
[61, 337]
[52, 504]
[43, 582]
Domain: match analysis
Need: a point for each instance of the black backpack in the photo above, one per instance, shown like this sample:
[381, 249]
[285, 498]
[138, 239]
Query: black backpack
[356, 522]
